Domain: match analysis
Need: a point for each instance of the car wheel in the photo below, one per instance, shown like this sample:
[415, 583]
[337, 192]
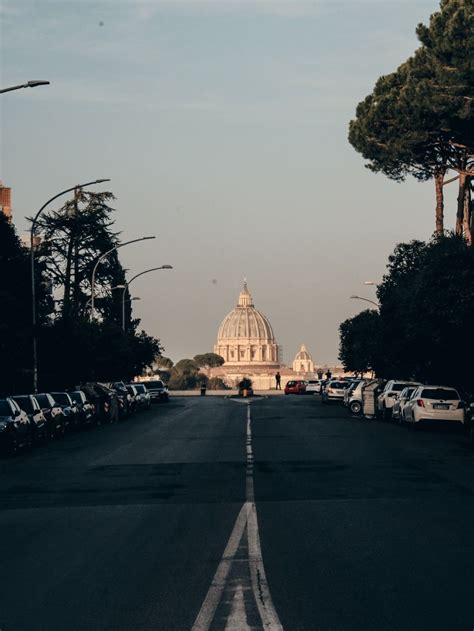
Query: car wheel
[355, 407]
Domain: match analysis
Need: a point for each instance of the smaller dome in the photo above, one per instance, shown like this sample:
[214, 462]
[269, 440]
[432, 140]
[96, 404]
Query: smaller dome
[303, 354]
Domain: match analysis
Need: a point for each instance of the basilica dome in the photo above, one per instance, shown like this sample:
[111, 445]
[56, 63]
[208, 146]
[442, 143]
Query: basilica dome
[246, 335]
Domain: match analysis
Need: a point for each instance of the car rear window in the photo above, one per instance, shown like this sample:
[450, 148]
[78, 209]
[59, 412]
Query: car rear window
[5, 409]
[153, 384]
[440, 393]
[42, 400]
[340, 385]
[25, 404]
[139, 387]
[62, 398]
[398, 387]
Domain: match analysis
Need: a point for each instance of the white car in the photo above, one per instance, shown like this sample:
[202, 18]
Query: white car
[400, 402]
[434, 403]
[334, 390]
[389, 395]
[313, 386]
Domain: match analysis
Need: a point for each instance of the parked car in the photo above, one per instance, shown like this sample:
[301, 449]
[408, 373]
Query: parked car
[400, 402]
[69, 408]
[157, 389]
[354, 397]
[434, 403]
[353, 383]
[53, 414]
[39, 425]
[334, 390]
[15, 427]
[143, 396]
[295, 386]
[133, 397]
[388, 396]
[85, 408]
[313, 386]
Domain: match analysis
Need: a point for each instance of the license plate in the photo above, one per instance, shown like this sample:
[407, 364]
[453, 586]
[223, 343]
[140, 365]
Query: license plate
[441, 406]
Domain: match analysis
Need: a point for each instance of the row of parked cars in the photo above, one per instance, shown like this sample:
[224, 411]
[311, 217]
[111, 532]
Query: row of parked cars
[30, 418]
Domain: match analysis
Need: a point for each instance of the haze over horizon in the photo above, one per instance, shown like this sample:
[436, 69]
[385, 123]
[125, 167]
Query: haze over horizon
[223, 128]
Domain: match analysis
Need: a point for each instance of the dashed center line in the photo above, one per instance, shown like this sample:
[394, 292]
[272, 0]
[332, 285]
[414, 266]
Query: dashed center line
[253, 578]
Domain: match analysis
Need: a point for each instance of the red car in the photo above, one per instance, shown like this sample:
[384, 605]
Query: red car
[297, 386]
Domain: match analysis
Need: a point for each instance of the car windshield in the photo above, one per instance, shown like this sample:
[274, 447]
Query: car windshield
[5, 409]
[140, 388]
[407, 392]
[25, 404]
[43, 400]
[440, 393]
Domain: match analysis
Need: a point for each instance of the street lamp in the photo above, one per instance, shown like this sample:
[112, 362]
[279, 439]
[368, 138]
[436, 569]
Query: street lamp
[28, 84]
[32, 265]
[152, 269]
[101, 258]
[366, 300]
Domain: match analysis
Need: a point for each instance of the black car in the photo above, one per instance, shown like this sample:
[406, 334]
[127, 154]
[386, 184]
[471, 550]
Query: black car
[38, 423]
[85, 408]
[157, 389]
[69, 408]
[104, 400]
[15, 428]
[53, 414]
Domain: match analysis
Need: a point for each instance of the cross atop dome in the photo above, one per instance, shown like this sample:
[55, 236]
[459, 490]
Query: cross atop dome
[245, 297]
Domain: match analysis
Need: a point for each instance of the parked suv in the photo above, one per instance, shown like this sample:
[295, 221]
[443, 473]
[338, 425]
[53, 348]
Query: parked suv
[388, 396]
[38, 424]
[434, 403]
[157, 389]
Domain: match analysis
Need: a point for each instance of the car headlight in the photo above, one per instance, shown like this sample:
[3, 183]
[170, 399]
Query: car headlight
[3, 425]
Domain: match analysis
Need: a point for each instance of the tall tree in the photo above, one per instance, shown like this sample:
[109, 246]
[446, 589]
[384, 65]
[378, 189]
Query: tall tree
[419, 120]
[73, 238]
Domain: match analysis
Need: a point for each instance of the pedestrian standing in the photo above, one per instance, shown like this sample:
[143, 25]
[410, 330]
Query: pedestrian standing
[278, 381]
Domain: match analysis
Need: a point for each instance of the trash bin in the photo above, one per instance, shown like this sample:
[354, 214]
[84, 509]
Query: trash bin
[203, 391]
[370, 393]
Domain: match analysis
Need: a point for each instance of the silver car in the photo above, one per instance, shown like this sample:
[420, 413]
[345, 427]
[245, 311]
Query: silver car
[334, 390]
[400, 402]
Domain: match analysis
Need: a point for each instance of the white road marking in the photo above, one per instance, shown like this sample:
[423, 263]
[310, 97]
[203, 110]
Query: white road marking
[247, 517]
[237, 620]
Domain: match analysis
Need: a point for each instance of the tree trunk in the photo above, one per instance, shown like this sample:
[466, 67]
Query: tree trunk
[439, 182]
[467, 219]
[461, 203]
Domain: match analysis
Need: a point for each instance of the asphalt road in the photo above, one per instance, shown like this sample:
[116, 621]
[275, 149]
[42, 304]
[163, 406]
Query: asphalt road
[150, 524]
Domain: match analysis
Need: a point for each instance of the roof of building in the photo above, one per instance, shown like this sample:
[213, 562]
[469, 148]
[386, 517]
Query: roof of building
[245, 322]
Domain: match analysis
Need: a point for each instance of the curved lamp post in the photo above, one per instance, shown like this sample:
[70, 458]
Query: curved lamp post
[153, 269]
[366, 300]
[101, 258]
[32, 265]
[28, 84]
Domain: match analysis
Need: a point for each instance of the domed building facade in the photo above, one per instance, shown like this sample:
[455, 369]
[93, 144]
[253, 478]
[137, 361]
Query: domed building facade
[246, 336]
[303, 362]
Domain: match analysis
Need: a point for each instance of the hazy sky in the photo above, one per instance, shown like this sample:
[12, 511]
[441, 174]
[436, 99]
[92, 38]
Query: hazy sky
[223, 126]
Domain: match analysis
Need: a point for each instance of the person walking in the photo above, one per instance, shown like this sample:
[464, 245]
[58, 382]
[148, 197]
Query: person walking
[278, 381]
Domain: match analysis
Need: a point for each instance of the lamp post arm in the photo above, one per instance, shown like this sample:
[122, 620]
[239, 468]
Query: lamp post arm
[101, 258]
[152, 269]
[366, 300]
